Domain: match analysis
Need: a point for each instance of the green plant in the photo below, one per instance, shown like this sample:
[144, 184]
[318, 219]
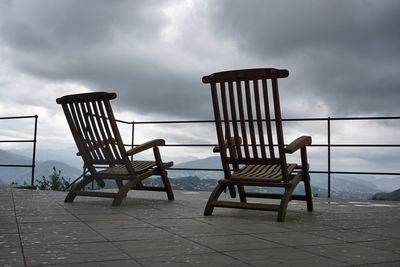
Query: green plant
[54, 182]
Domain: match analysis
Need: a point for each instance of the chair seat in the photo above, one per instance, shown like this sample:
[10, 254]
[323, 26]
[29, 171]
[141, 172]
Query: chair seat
[140, 167]
[261, 173]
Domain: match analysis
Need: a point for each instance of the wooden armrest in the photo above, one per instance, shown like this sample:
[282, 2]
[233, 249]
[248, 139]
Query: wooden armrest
[145, 146]
[217, 149]
[298, 143]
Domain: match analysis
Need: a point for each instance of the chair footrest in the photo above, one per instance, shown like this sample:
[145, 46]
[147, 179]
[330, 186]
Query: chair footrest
[263, 195]
[95, 194]
[241, 205]
[252, 183]
[273, 196]
[151, 188]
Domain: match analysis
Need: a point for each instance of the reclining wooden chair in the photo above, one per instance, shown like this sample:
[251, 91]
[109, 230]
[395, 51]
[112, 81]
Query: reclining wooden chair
[246, 107]
[93, 126]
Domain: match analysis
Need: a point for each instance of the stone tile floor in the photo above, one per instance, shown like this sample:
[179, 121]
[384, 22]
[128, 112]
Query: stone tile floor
[37, 228]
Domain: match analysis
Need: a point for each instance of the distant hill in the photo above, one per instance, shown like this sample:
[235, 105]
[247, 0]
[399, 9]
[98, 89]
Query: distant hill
[210, 163]
[66, 155]
[206, 163]
[393, 196]
[43, 168]
[7, 174]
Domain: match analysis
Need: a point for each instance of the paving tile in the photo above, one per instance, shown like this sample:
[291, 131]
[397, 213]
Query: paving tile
[383, 264]
[145, 233]
[200, 230]
[103, 217]
[258, 228]
[11, 257]
[348, 235]
[108, 263]
[118, 224]
[296, 239]
[389, 232]
[371, 223]
[226, 220]
[209, 259]
[159, 248]
[234, 242]
[8, 228]
[282, 257]
[9, 240]
[58, 232]
[47, 218]
[352, 253]
[10, 218]
[72, 253]
[174, 222]
[392, 245]
[151, 213]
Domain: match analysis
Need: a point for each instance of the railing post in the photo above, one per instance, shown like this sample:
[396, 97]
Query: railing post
[132, 136]
[329, 157]
[34, 151]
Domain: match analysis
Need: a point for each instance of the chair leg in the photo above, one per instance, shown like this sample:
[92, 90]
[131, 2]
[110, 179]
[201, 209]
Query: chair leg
[232, 191]
[163, 173]
[287, 196]
[119, 183]
[78, 187]
[214, 196]
[242, 194]
[123, 191]
[307, 189]
[283, 206]
[167, 184]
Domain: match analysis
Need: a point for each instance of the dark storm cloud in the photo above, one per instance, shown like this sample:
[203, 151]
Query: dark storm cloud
[102, 45]
[345, 53]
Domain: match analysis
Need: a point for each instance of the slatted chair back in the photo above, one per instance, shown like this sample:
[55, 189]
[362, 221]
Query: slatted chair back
[93, 126]
[248, 117]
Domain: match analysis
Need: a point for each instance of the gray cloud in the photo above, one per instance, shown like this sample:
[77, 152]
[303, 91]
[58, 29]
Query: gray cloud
[345, 53]
[105, 46]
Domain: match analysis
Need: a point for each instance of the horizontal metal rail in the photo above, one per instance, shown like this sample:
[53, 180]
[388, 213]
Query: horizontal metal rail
[328, 145]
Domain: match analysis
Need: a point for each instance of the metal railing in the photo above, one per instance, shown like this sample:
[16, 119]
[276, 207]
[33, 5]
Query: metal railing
[33, 141]
[328, 145]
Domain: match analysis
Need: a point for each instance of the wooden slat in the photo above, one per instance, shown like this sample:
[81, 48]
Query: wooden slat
[217, 116]
[250, 119]
[151, 188]
[226, 117]
[234, 120]
[241, 205]
[268, 119]
[279, 130]
[259, 119]
[264, 195]
[242, 119]
[95, 194]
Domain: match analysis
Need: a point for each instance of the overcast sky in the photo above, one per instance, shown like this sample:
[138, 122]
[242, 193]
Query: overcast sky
[343, 57]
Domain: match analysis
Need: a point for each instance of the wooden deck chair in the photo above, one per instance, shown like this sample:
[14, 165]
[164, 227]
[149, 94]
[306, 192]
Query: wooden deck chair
[250, 141]
[93, 126]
